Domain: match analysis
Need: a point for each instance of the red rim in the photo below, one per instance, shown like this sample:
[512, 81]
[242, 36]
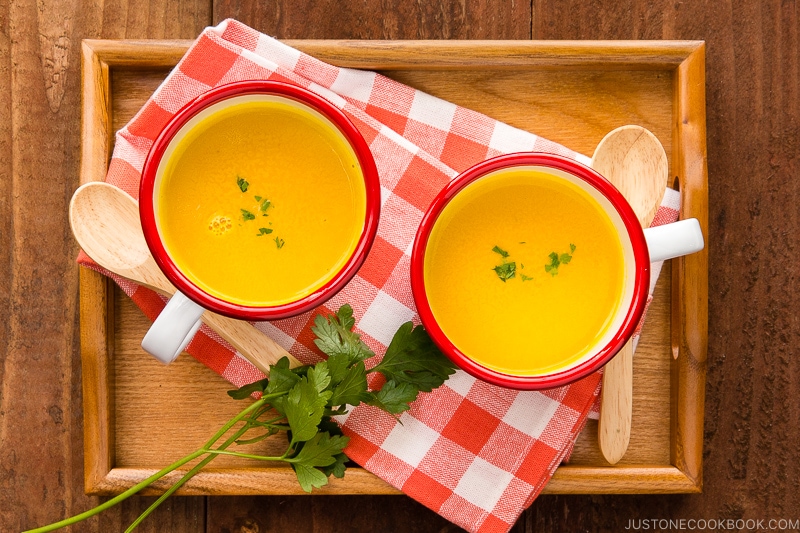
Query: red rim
[147, 212]
[640, 286]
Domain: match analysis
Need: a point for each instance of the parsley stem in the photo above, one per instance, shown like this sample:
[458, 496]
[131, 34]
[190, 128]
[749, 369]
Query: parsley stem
[220, 451]
[258, 406]
[244, 442]
[224, 429]
[155, 477]
[119, 498]
[186, 477]
[267, 423]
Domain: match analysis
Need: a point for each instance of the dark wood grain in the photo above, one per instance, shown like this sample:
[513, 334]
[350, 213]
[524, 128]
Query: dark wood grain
[6, 227]
[40, 425]
[382, 19]
[329, 514]
[132, 19]
[41, 430]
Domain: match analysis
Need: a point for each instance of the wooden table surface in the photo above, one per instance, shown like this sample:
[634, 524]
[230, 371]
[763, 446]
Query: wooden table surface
[752, 413]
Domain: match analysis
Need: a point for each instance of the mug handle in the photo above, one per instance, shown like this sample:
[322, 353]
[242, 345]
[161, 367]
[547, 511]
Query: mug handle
[674, 240]
[173, 328]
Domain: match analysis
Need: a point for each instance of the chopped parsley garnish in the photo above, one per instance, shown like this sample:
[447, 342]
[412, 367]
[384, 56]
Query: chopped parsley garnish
[506, 271]
[252, 213]
[279, 242]
[523, 277]
[557, 260]
[500, 251]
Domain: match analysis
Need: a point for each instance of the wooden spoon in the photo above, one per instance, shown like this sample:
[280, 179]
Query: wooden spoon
[105, 222]
[632, 159]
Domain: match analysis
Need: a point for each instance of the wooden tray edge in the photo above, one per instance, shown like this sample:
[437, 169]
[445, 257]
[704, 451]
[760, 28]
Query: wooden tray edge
[690, 273]
[690, 340]
[95, 290]
[656, 479]
[430, 55]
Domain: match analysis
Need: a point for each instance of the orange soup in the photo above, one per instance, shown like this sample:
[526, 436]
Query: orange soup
[524, 272]
[261, 202]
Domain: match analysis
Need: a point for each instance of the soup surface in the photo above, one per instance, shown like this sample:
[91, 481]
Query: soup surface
[261, 202]
[524, 272]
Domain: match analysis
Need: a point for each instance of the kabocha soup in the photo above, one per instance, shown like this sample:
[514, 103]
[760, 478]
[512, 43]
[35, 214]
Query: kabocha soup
[524, 272]
[261, 202]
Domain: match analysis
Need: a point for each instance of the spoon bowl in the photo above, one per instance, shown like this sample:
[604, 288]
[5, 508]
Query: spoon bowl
[105, 222]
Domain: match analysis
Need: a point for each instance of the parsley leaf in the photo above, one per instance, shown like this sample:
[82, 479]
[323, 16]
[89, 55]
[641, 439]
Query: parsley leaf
[247, 215]
[413, 358]
[245, 392]
[500, 251]
[525, 278]
[309, 477]
[552, 267]
[319, 377]
[263, 231]
[338, 468]
[281, 381]
[242, 183]
[279, 242]
[335, 337]
[264, 204]
[557, 260]
[352, 388]
[304, 407]
[394, 397]
[506, 271]
[320, 451]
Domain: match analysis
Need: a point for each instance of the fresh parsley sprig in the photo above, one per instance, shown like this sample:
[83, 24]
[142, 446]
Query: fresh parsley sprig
[302, 402]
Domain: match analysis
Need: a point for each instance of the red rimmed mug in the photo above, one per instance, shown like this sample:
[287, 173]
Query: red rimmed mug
[638, 248]
[179, 321]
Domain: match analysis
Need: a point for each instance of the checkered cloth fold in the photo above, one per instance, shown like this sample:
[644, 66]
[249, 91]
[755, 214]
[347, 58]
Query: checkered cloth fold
[475, 453]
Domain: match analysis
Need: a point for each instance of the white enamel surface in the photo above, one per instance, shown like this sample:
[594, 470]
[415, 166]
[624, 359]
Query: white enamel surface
[674, 240]
[173, 329]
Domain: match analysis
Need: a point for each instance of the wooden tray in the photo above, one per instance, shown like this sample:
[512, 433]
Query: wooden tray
[140, 416]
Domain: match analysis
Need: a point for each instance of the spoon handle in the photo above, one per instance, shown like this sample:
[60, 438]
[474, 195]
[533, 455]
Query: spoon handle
[616, 406]
[633, 159]
[256, 347]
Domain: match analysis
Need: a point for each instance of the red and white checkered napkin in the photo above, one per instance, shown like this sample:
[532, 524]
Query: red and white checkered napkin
[475, 453]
